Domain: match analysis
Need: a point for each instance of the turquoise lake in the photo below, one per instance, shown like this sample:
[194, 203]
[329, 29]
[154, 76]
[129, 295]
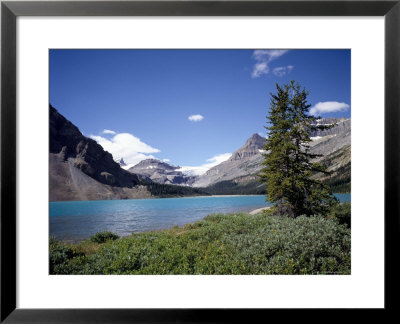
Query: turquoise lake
[77, 220]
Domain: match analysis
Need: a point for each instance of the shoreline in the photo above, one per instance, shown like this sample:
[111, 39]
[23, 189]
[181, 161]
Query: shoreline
[150, 198]
[197, 196]
[258, 210]
[77, 241]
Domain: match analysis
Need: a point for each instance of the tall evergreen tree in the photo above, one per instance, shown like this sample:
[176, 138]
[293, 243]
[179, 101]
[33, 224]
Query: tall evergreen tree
[288, 165]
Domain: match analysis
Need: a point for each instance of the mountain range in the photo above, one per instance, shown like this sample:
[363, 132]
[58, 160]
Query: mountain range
[238, 174]
[80, 169]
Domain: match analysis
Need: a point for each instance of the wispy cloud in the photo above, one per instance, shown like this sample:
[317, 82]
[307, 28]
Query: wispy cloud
[126, 146]
[259, 69]
[107, 131]
[196, 118]
[282, 70]
[211, 162]
[328, 107]
[263, 58]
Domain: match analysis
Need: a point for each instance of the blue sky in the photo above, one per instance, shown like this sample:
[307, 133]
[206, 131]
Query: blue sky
[144, 98]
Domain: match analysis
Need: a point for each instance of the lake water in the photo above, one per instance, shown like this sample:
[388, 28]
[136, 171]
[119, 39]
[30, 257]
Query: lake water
[77, 220]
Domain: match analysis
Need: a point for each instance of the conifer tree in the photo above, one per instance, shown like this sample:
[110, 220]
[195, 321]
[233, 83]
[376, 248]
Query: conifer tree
[288, 164]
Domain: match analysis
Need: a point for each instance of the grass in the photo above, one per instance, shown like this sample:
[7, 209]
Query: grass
[218, 244]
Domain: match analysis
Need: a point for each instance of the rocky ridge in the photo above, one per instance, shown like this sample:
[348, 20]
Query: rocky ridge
[243, 162]
[162, 172]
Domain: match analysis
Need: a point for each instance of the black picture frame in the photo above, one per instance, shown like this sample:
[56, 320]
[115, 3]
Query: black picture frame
[10, 10]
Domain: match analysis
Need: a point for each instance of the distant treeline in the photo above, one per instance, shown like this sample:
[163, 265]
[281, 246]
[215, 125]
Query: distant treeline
[230, 187]
[341, 182]
[166, 190]
[338, 184]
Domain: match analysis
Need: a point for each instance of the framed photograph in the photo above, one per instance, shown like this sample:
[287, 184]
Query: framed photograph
[180, 160]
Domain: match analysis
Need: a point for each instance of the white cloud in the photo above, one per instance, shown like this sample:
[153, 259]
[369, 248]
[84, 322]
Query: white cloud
[282, 70]
[268, 55]
[264, 135]
[260, 68]
[107, 131]
[126, 146]
[199, 170]
[196, 118]
[166, 160]
[263, 58]
[217, 159]
[328, 107]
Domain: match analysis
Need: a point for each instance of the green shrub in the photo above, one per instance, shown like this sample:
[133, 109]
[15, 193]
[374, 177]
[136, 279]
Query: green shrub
[223, 244]
[342, 212]
[59, 255]
[103, 237]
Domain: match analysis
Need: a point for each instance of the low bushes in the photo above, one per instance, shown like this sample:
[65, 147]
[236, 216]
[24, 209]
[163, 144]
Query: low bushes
[60, 254]
[222, 244]
[342, 213]
[103, 237]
